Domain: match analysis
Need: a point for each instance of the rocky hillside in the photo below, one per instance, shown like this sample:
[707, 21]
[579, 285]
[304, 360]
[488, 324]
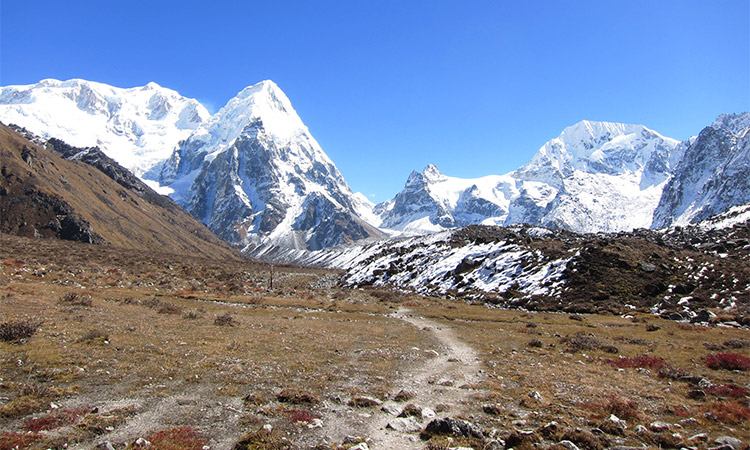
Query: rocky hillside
[90, 198]
[678, 271]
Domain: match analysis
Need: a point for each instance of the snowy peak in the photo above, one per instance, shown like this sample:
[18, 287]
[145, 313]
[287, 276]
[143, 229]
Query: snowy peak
[737, 124]
[595, 176]
[712, 176]
[256, 176]
[138, 127]
[597, 147]
[264, 101]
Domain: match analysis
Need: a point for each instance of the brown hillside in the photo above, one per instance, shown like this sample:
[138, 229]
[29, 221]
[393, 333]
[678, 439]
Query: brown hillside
[45, 195]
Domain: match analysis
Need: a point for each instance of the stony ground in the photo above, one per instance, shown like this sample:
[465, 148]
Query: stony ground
[111, 348]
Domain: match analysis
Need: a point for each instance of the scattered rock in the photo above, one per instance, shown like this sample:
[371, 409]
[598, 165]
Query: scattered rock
[700, 437]
[522, 438]
[451, 427]
[493, 410]
[658, 427]
[568, 445]
[734, 443]
[353, 439]
[613, 425]
[316, 423]
[550, 429]
[140, 442]
[640, 430]
[584, 439]
[497, 444]
[427, 413]
[391, 409]
[106, 446]
[696, 394]
[703, 315]
[360, 446]
[535, 395]
[405, 425]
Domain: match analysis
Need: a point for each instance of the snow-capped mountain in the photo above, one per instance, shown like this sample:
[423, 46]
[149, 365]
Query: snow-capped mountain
[713, 175]
[256, 176]
[432, 202]
[137, 127]
[596, 176]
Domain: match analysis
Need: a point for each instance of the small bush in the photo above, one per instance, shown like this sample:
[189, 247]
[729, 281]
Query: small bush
[411, 410]
[728, 390]
[263, 440]
[296, 397]
[621, 407]
[581, 341]
[94, 335]
[714, 347]
[18, 330]
[673, 373]
[74, 299]
[180, 438]
[363, 402]
[18, 440]
[225, 320]
[169, 308]
[636, 362]
[728, 361]
[609, 349]
[22, 406]
[55, 420]
[729, 412]
[535, 343]
[301, 415]
[403, 395]
[652, 327]
[737, 343]
[192, 315]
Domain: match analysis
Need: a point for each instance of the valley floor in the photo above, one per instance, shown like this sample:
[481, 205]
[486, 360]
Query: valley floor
[103, 346]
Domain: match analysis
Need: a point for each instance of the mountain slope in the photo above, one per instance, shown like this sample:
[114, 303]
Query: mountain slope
[677, 271]
[138, 127]
[713, 176]
[596, 176]
[256, 176]
[43, 194]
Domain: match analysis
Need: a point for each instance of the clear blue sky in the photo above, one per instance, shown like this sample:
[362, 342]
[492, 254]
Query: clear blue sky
[475, 87]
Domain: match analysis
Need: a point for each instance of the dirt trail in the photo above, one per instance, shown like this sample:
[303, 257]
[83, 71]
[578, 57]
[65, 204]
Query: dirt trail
[437, 382]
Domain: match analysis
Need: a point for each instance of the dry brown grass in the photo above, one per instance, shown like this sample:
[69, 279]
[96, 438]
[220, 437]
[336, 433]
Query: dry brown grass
[147, 371]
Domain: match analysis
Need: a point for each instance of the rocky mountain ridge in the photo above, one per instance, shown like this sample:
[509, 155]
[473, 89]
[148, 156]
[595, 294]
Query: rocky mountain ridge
[678, 271]
[256, 176]
[51, 189]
